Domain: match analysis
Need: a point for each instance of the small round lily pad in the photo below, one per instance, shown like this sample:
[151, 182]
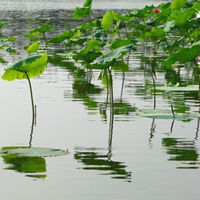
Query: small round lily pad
[35, 152]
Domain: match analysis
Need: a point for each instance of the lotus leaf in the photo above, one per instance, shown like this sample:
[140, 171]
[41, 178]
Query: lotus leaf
[109, 58]
[34, 152]
[107, 20]
[61, 37]
[33, 66]
[33, 47]
[177, 4]
[42, 29]
[184, 54]
[163, 116]
[188, 88]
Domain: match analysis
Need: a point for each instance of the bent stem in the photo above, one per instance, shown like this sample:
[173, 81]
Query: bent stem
[172, 109]
[31, 95]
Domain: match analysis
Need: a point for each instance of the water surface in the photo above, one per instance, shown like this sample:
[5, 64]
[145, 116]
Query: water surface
[139, 158]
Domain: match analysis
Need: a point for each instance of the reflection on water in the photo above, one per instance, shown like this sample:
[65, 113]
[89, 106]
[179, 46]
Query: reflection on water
[32, 166]
[119, 104]
[182, 151]
[102, 163]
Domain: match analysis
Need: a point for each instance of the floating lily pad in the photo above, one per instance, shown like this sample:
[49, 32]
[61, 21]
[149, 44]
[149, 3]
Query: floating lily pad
[197, 115]
[34, 152]
[158, 111]
[188, 88]
[163, 116]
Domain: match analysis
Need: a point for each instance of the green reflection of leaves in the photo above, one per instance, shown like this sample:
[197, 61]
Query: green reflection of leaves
[182, 151]
[25, 164]
[101, 162]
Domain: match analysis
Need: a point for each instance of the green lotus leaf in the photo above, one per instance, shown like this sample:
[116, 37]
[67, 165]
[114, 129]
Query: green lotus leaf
[141, 13]
[183, 17]
[120, 66]
[42, 29]
[84, 11]
[127, 18]
[30, 37]
[107, 20]
[2, 24]
[78, 41]
[33, 66]
[61, 37]
[197, 5]
[177, 4]
[81, 12]
[92, 44]
[109, 58]
[184, 54]
[33, 47]
[168, 26]
[87, 3]
[156, 32]
[119, 43]
[89, 57]
[12, 39]
[76, 35]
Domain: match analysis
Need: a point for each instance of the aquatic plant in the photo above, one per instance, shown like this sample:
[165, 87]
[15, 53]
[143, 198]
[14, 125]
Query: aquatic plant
[26, 69]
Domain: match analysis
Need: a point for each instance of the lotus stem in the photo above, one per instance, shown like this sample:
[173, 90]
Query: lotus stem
[172, 105]
[111, 115]
[153, 78]
[197, 68]
[30, 87]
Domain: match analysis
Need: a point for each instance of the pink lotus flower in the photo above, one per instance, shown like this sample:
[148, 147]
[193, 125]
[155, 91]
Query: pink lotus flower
[156, 10]
[198, 57]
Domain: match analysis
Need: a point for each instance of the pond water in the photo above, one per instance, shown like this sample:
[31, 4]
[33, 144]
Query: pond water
[128, 158]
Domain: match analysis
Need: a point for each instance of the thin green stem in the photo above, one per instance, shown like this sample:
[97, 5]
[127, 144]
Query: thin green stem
[172, 108]
[154, 83]
[197, 68]
[30, 87]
